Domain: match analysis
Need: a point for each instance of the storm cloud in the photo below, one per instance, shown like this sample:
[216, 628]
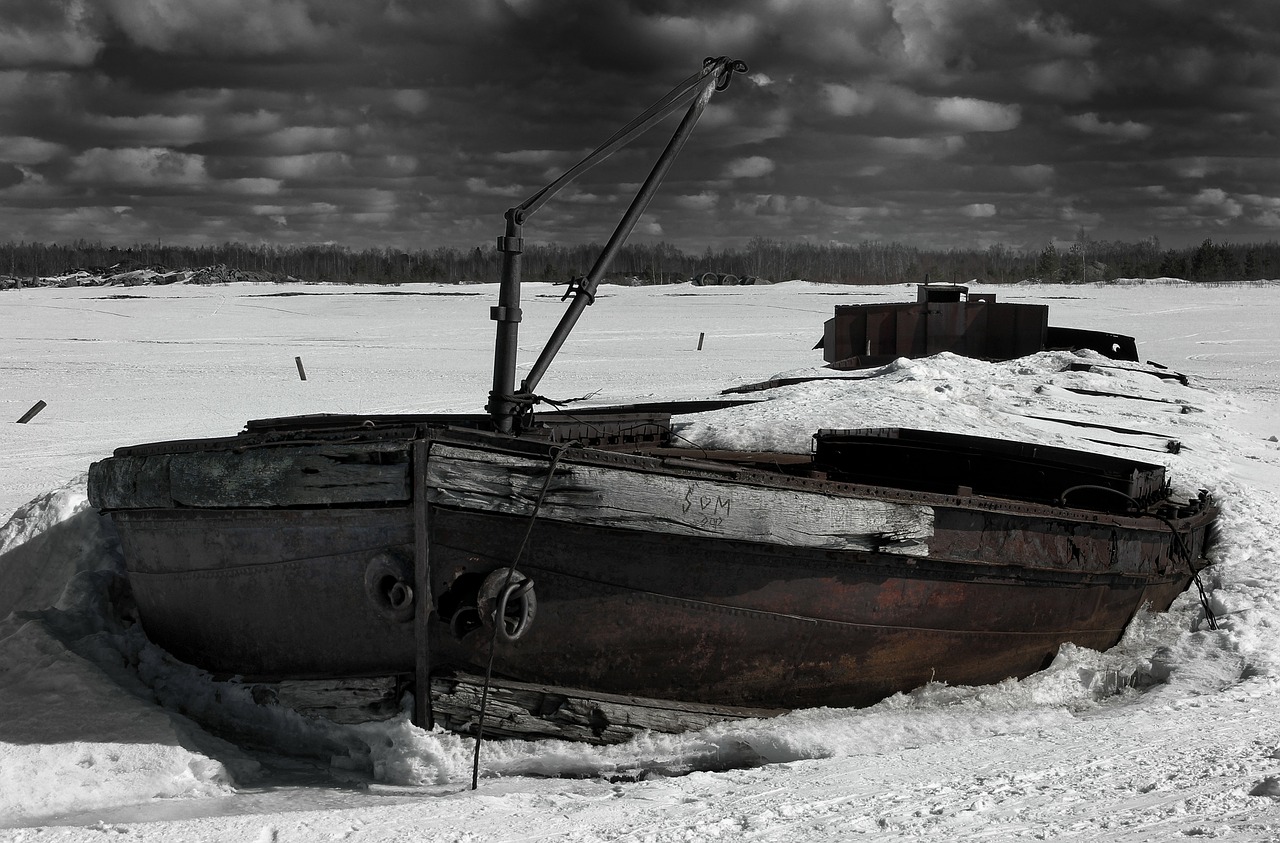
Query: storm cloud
[414, 125]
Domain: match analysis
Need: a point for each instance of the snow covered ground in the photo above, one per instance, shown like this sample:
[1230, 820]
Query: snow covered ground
[1174, 733]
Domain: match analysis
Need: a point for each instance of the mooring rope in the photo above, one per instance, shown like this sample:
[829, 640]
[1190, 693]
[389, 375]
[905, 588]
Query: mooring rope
[557, 451]
[1184, 550]
[1204, 601]
[1179, 547]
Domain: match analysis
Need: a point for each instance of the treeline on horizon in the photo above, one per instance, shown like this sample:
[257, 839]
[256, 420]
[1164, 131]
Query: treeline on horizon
[866, 263]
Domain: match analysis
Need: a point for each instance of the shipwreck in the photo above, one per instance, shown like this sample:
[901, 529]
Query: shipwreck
[578, 574]
[948, 317]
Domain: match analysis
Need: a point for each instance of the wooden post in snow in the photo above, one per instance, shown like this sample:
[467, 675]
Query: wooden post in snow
[701, 337]
[31, 414]
[302, 373]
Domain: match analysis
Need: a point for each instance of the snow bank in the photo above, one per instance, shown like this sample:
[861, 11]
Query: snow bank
[85, 650]
[94, 717]
[73, 735]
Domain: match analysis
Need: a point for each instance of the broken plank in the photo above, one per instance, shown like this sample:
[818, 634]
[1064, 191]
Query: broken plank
[523, 710]
[1105, 433]
[1100, 393]
[513, 709]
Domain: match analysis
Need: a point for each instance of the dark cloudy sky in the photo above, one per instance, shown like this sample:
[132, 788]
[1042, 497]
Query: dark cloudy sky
[415, 124]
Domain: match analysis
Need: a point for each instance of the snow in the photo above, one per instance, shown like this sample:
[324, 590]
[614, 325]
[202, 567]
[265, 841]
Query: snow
[1173, 733]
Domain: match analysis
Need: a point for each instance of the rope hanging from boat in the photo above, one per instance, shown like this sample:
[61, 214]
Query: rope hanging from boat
[1178, 549]
[557, 452]
[1204, 601]
[1184, 551]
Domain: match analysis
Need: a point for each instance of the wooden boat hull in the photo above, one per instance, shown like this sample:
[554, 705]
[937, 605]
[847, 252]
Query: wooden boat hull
[654, 577]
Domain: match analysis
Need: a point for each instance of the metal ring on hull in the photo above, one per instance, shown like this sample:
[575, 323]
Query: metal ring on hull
[388, 583]
[496, 593]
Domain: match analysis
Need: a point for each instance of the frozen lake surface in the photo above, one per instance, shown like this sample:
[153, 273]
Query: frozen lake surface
[100, 732]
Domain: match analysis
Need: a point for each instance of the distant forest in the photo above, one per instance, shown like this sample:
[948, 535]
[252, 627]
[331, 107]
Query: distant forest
[865, 263]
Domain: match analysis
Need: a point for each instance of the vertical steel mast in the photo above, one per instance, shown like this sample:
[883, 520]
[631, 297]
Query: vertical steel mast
[506, 404]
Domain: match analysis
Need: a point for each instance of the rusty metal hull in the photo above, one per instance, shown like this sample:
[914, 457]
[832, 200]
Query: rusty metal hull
[268, 593]
[695, 581]
[735, 623]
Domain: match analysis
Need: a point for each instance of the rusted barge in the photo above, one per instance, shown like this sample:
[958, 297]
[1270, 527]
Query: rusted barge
[948, 317]
[612, 581]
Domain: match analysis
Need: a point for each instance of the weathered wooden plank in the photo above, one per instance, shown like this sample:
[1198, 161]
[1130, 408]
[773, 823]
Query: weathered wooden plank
[288, 475]
[513, 709]
[130, 483]
[693, 506]
[521, 710]
[285, 477]
[357, 700]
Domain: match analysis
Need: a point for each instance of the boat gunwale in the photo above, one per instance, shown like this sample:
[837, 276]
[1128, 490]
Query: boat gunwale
[745, 475]
[632, 457]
